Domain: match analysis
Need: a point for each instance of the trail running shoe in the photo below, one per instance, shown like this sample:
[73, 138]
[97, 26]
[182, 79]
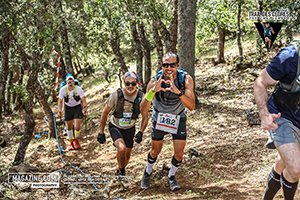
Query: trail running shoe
[173, 183]
[120, 175]
[145, 182]
[76, 144]
[71, 147]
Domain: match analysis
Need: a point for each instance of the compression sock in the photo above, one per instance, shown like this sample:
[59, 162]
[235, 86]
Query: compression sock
[150, 164]
[70, 134]
[273, 185]
[289, 189]
[77, 133]
[174, 166]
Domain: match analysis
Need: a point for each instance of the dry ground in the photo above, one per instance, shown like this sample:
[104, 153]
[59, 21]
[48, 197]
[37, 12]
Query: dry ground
[232, 161]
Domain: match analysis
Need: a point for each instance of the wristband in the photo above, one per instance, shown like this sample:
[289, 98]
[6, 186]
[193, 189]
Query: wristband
[150, 95]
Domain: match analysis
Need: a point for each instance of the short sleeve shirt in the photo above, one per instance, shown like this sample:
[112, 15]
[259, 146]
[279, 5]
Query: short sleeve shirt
[283, 68]
[126, 122]
[64, 91]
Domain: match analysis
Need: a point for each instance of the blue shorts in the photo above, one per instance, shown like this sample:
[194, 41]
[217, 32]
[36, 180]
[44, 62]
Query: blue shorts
[286, 132]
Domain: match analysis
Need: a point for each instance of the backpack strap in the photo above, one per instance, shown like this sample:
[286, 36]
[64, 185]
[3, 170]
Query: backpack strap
[118, 113]
[158, 74]
[181, 74]
[295, 84]
[136, 105]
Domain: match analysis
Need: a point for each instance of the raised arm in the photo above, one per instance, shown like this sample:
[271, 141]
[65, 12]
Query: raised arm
[145, 117]
[145, 104]
[188, 98]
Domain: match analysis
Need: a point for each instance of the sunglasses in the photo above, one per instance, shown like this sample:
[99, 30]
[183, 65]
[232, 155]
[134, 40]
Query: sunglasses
[133, 83]
[172, 65]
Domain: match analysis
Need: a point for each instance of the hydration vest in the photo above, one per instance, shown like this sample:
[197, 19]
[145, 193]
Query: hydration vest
[287, 96]
[179, 82]
[118, 113]
[75, 95]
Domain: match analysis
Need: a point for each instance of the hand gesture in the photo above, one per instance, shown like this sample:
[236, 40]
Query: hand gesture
[157, 85]
[268, 121]
[173, 87]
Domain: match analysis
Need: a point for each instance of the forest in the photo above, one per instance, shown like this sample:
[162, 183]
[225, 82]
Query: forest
[98, 41]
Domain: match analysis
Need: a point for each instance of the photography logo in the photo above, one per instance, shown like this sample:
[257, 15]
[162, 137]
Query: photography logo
[279, 15]
[37, 180]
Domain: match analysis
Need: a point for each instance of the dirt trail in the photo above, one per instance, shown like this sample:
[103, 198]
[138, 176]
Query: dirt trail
[232, 161]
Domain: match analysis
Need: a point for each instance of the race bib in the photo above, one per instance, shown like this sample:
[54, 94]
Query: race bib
[167, 122]
[125, 120]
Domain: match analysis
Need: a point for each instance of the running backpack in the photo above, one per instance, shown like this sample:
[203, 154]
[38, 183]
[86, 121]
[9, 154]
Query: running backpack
[181, 73]
[75, 95]
[288, 95]
[179, 82]
[118, 113]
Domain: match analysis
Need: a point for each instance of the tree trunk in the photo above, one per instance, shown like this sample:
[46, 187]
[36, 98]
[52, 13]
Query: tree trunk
[221, 45]
[239, 34]
[147, 53]
[289, 34]
[78, 67]
[17, 97]
[115, 45]
[186, 37]
[173, 28]
[260, 6]
[138, 49]
[29, 125]
[158, 44]
[170, 35]
[29, 119]
[4, 47]
[258, 38]
[42, 99]
[63, 69]
[65, 39]
[8, 105]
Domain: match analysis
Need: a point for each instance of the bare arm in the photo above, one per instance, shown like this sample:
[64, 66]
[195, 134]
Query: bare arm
[188, 98]
[145, 105]
[103, 118]
[84, 105]
[261, 97]
[145, 118]
[272, 30]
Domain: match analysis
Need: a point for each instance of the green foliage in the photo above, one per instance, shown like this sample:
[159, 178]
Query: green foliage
[213, 15]
[21, 91]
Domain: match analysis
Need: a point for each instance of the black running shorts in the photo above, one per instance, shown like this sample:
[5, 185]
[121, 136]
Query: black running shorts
[126, 134]
[73, 112]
